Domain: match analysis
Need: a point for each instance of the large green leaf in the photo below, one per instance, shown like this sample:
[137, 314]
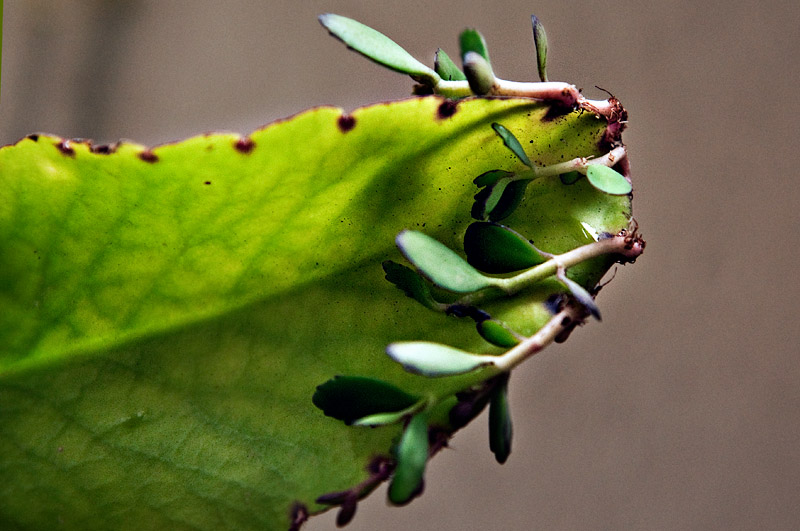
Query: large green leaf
[166, 315]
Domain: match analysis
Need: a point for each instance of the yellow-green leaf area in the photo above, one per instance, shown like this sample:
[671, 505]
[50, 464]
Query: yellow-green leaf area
[166, 314]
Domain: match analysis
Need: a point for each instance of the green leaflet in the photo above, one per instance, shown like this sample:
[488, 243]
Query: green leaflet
[446, 68]
[500, 428]
[496, 334]
[376, 46]
[511, 142]
[435, 360]
[412, 455]
[493, 248]
[167, 314]
[471, 40]
[608, 180]
[540, 44]
[440, 264]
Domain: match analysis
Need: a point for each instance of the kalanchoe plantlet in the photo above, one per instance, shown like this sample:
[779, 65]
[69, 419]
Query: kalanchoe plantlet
[525, 284]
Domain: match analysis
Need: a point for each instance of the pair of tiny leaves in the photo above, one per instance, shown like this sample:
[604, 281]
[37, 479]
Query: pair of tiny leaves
[502, 191]
[415, 287]
[489, 247]
[500, 195]
[600, 176]
[474, 54]
[370, 402]
[412, 450]
[354, 398]
[381, 49]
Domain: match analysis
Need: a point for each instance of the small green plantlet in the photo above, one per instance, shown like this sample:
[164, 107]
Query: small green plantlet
[540, 43]
[500, 421]
[265, 331]
[411, 454]
[496, 249]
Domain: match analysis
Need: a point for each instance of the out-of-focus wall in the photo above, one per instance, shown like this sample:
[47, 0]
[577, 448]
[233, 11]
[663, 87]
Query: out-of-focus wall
[681, 410]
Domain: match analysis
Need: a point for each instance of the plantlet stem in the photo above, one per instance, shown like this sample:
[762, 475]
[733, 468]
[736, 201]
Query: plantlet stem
[618, 245]
[538, 341]
[383, 419]
[579, 164]
[453, 89]
[625, 245]
[565, 94]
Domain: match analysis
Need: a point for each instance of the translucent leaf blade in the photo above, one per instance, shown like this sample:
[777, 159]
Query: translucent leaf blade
[140, 279]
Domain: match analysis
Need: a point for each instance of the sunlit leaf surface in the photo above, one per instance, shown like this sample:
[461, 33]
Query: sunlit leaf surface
[166, 314]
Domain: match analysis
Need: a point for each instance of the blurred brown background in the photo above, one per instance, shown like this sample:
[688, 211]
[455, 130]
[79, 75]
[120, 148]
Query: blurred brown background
[681, 410]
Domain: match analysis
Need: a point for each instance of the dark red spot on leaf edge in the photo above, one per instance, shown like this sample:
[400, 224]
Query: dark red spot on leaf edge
[346, 123]
[148, 156]
[65, 148]
[105, 149]
[244, 145]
